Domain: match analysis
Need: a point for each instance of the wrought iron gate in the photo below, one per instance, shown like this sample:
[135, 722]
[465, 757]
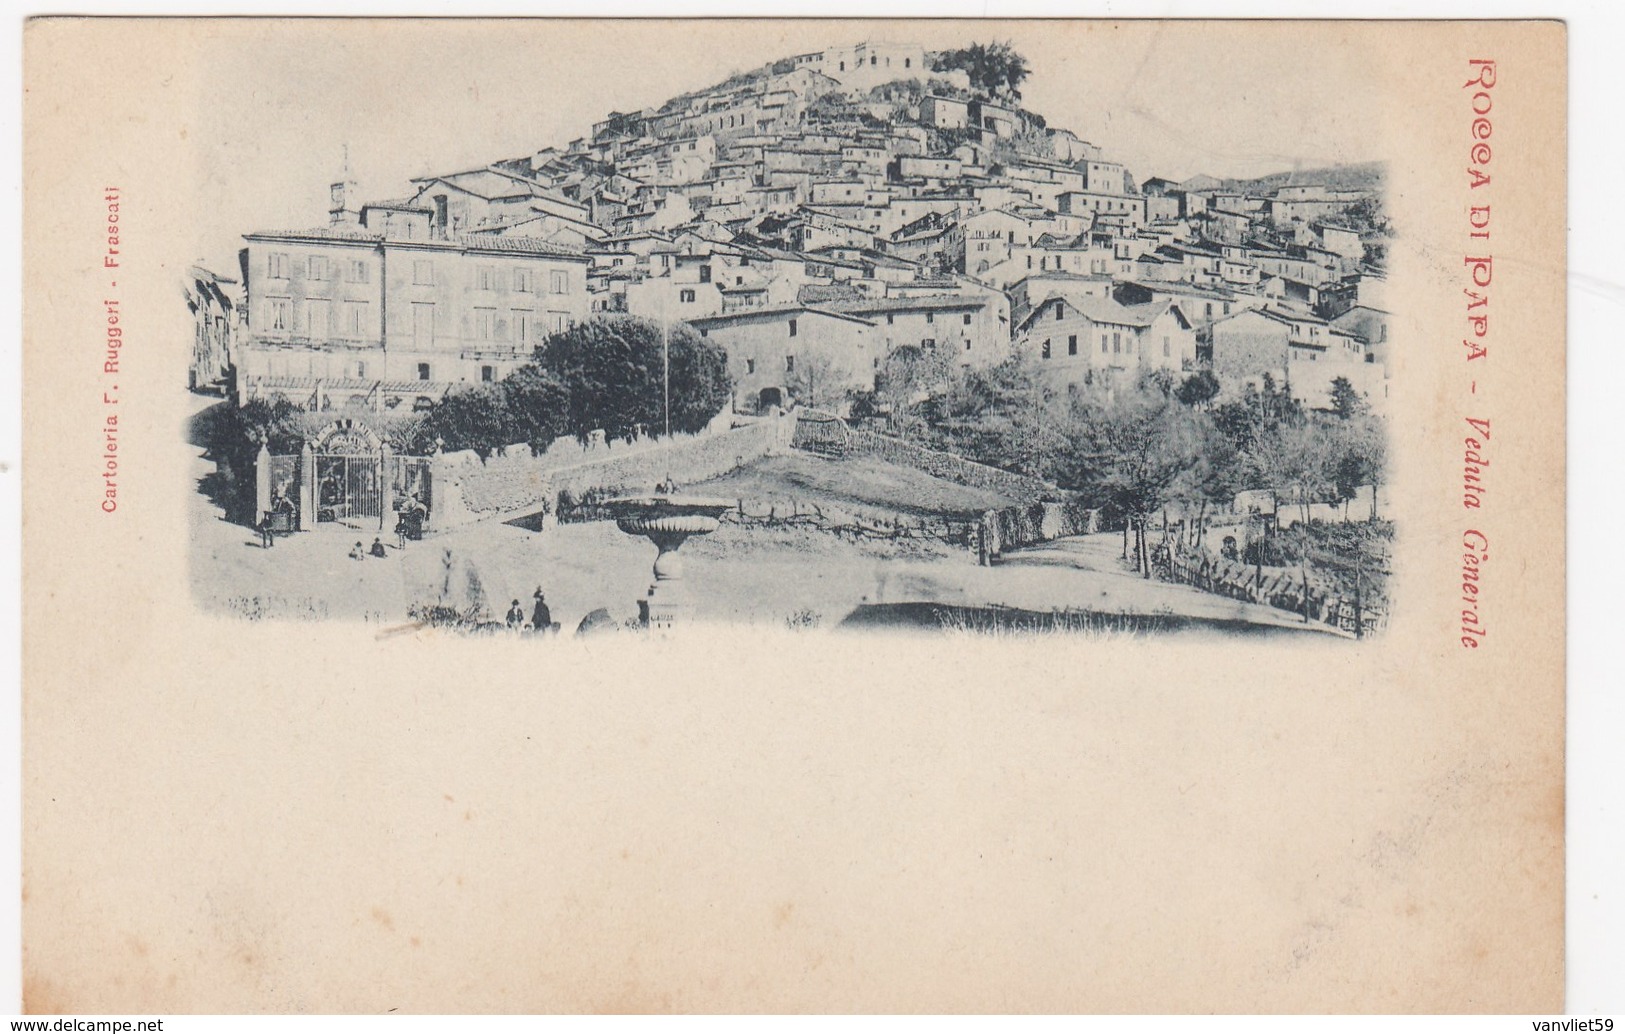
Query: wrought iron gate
[349, 488]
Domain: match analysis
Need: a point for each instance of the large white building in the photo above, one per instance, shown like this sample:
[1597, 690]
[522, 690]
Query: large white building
[343, 316]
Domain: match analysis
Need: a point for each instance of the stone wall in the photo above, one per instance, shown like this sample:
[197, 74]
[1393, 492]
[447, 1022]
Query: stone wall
[1017, 526]
[467, 490]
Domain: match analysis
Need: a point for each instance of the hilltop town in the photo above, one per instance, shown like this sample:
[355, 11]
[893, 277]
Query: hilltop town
[864, 295]
[844, 203]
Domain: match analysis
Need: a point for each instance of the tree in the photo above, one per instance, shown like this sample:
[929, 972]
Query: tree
[1256, 414]
[1296, 455]
[1198, 389]
[1147, 449]
[820, 380]
[474, 418]
[232, 436]
[1346, 400]
[1006, 415]
[612, 371]
[537, 406]
[1361, 447]
[994, 68]
[909, 375]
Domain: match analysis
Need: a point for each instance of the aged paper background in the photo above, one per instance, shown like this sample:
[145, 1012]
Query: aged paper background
[222, 816]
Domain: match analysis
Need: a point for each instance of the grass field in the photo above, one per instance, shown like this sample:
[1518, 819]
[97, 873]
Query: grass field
[861, 483]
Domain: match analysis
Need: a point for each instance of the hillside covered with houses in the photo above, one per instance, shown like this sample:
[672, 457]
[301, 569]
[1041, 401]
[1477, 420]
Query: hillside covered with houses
[822, 212]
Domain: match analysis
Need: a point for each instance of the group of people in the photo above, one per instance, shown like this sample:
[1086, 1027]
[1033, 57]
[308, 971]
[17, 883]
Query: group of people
[541, 618]
[361, 552]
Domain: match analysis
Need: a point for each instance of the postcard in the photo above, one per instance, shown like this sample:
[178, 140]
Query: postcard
[781, 516]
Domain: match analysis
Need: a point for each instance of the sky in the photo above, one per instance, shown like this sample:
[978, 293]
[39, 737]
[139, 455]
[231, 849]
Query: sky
[280, 103]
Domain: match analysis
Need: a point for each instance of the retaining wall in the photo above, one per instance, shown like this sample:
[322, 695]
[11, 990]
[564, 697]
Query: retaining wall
[512, 485]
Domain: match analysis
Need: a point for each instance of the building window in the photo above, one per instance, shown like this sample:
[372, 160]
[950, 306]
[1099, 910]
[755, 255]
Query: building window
[521, 325]
[705, 274]
[423, 371]
[485, 321]
[488, 374]
[521, 280]
[685, 296]
[279, 314]
[318, 321]
[930, 317]
[929, 344]
[750, 366]
[559, 282]
[360, 370]
[355, 319]
[422, 324]
[1072, 344]
[423, 272]
[789, 364]
[484, 278]
[316, 267]
[360, 272]
[967, 344]
[890, 319]
[1167, 347]
[792, 328]
[278, 265]
[967, 319]
[1117, 343]
[1045, 352]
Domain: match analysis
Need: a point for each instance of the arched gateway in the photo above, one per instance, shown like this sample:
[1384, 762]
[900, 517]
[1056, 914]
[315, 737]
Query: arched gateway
[346, 475]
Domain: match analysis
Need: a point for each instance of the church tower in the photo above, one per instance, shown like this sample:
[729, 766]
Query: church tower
[344, 201]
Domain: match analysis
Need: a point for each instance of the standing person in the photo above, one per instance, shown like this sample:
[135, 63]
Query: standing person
[378, 547]
[267, 536]
[516, 617]
[400, 530]
[359, 552]
[541, 619]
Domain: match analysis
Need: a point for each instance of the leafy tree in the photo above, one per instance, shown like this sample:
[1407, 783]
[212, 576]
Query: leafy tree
[994, 68]
[1346, 400]
[1361, 445]
[612, 370]
[232, 436]
[819, 380]
[1258, 412]
[1147, 450]
[537, 405]
[1198, 389]
[946, 88]
[473, 418]
[909, 375]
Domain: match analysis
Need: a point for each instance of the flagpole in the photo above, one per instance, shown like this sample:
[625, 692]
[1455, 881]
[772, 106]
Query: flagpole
[665, 355]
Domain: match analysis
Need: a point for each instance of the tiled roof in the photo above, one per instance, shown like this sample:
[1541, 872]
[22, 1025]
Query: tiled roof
[406, 204]
[1102, 310]
[776, 311]
[451, 242]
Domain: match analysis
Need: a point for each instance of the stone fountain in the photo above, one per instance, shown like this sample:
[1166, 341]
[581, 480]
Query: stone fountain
[668, 521]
